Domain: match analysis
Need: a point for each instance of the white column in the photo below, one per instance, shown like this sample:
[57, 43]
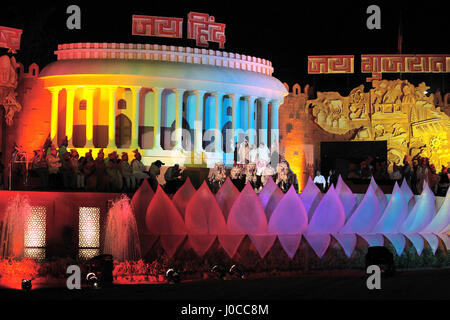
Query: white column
[70, 98]
[198, 133]
[264, 120]
[112, 96]
[218, 121]
[135, 117]
[179, 119]
[251, 120]
[89, 117]
[54, 114]
[234, 115]
[274, 130]
[157, 93]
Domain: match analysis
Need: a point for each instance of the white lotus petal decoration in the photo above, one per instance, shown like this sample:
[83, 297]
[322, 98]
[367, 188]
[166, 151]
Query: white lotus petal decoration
[374, 240]
[422, 213]
[441, 220]
[380, 194]
[432, 240]
[347, 197]
[417, 241]
[445, 239]
[394, 214]
[398, 241]
[311, 197]
[329, 216]
[406, 190]
[347, 242]
[365, 216]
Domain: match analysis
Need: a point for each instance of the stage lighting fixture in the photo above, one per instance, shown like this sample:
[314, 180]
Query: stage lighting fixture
[236, 272]
[26, 285]
[93, 280]
[382, 257]
[101, 267]
[219, 272]
[172, 276]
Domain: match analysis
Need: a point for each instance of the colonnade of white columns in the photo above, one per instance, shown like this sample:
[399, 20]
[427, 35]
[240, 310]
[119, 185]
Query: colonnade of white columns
[251, 121]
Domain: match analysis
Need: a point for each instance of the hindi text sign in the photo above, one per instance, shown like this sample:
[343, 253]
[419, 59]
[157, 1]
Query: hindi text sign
[10, 38]
[330, 64]
[157, 26]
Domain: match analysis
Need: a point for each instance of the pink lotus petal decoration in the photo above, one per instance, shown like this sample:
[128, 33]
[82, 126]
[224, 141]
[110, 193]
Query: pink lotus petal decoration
[163, 219]
[311, 197]
[204, 220]
[270, 196]
[183, 196]
[319, 243]
[289, 217]
[262, 243]
[247, 214]
[290, 243]
[329, 216]
[226, 196]
[140, 202]
[289, 221]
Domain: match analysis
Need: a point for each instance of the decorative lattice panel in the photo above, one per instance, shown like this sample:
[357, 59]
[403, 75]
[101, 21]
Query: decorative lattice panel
[35, 227]
[35, 253]
[89, 227]
[34, 236]
[86, 254]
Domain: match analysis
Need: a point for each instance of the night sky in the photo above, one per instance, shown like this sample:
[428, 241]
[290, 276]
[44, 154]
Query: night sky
[284, 32]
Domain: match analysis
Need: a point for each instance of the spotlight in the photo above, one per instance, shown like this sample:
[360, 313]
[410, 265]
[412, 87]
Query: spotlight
[101, 267]
[172, 276]
[219, 272]
[382, 257]
[26, 285]
[93, 280]
[236, 272]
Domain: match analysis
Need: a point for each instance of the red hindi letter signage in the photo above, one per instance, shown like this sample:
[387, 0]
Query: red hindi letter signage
[330, 64]
[157, 26]
[203, 29]
[10, 38]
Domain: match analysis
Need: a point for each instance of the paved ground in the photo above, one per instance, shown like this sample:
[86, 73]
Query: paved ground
[278, 293]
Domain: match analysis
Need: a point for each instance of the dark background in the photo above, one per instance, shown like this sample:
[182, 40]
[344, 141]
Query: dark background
[284, 32]
[339, 155]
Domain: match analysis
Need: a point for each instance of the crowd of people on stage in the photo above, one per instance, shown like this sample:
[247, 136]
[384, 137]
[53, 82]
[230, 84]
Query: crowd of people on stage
[64, 169]
[254, 165]
[415, 171]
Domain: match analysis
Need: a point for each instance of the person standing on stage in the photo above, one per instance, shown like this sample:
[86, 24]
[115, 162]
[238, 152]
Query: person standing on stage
[319, 181]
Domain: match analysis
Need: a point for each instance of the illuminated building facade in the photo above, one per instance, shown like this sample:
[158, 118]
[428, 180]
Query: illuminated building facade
[176, 104]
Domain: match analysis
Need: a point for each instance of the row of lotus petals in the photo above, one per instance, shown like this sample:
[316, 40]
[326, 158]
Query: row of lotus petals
[230, 215]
